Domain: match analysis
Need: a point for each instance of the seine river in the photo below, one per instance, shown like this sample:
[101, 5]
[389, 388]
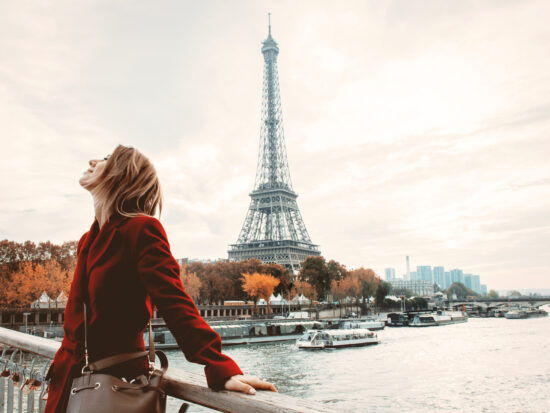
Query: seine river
[486, 364]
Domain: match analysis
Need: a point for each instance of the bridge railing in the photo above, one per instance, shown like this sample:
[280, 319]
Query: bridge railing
[22, 386]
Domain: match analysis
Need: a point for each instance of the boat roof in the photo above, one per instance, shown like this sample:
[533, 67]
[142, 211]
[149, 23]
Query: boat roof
[342, 332]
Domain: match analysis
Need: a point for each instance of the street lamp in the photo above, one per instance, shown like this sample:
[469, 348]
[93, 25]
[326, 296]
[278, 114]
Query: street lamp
[26, 315]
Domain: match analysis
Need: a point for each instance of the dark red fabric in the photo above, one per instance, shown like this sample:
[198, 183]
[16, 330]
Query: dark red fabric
[127, 268]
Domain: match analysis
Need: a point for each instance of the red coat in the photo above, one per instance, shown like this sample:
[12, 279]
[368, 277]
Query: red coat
[127, 268]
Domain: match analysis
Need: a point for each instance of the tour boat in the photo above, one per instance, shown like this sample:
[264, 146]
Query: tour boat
[439, 318]
[320, 339]
[371, 325]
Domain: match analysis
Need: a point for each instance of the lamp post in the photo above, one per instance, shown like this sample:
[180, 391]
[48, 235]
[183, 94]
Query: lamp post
[26, 315]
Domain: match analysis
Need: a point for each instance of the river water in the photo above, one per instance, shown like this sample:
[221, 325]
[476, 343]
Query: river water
[485, 365]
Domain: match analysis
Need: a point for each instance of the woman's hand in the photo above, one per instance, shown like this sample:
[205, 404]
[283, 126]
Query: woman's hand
[247, 384]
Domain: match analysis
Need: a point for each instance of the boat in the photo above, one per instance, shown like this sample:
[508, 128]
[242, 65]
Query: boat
[321, 339]
[397, 320]
[423, 320]
[243, 332]
[438, 318]
[372, 325]
[525, 313]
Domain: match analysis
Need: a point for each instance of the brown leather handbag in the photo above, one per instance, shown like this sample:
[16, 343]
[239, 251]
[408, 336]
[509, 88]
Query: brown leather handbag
[94, 392]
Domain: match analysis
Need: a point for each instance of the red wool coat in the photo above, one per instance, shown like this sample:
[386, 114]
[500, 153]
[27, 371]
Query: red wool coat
[126, 268]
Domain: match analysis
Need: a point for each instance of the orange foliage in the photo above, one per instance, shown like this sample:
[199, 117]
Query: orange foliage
[346, 287]
[258, 285]
[305, 288]
[30, 280]
[191, 283]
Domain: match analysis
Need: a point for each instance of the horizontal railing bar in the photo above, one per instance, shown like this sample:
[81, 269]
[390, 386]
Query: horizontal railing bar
[185, 385]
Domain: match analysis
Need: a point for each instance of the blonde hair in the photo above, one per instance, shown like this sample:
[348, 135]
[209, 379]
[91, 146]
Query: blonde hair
[128, 185]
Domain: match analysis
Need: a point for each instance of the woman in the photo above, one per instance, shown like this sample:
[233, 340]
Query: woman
[125, 268]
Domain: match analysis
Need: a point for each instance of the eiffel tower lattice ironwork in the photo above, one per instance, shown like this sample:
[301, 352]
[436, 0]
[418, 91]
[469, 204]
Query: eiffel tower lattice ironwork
[273, 230]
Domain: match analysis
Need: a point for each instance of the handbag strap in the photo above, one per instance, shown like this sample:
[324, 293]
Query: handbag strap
[117, 358]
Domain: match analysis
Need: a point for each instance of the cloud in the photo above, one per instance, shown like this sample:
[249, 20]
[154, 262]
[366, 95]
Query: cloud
[416, 130]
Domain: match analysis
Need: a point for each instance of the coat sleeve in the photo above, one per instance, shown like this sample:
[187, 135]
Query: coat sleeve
[159, 272]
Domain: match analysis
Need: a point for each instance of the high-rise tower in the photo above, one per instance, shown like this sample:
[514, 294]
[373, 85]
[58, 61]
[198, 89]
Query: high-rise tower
[273, 230]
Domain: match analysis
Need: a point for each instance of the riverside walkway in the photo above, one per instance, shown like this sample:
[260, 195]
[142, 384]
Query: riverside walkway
[21, 385]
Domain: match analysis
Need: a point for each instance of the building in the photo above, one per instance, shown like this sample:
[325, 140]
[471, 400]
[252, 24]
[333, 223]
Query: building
[447, 279]
[457, 276]
[413, 276]
[483, 289]
[424, 273]
[439, 277]
[420, 287]
[390, 274]
[468, 281]
[273, 230]
[476, 284]
[408, 275]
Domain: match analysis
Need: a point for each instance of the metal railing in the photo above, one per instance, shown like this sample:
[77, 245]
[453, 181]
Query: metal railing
[22, 386]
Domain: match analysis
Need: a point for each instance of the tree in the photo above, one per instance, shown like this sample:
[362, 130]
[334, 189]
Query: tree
[314, 271]
[382, 291]
[30, 280]
[460, 290]
[259, 286]
[191, 283]
[304, 288]
[493, 294]
[368, 280]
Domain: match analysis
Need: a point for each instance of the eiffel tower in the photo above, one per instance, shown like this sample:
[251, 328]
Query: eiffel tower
[273, 230]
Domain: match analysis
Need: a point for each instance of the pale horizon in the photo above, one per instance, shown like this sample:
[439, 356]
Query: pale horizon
[411, 129]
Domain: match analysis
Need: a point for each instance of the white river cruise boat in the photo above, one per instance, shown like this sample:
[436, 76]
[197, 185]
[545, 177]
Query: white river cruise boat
[320, 339]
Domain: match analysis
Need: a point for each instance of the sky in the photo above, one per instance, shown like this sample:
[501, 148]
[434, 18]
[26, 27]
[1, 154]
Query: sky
[412, 128]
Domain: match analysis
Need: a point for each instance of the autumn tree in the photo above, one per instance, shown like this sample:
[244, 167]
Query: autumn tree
[259, 286]
[320, 274]
[191, 283]
[304, 288]
[223, 280]
[349, 286]
[30, 280]
[368, 280]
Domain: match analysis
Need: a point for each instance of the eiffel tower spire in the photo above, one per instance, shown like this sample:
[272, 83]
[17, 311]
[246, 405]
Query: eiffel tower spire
[273, 230]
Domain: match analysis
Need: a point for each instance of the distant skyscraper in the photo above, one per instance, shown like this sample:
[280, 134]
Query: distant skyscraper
[457, 276]
[390, 274]
[439, 276]
[447, 279]
[483, 289]
[413, 276]
[424, 273]
[468, 281]
[408, 268]
[476, 284]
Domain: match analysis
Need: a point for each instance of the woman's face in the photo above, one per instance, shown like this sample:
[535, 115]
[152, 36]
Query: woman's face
[93, 172]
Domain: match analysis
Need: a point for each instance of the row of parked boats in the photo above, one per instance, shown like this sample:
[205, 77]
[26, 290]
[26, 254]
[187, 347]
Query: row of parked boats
[334, 333]
[425, 319]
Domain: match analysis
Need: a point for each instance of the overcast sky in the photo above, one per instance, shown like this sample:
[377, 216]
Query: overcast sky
[412, 128]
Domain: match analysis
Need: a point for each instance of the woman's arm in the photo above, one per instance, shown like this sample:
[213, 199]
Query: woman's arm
[159, 272]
